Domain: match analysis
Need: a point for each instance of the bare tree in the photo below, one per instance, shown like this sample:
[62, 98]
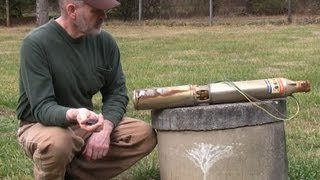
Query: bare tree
[42, 12]
[8, 12]
[289, 11]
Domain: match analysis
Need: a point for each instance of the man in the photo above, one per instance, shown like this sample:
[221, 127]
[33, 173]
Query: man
[63, 64]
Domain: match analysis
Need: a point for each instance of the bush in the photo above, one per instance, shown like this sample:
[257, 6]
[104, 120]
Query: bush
[16, 9]
[129, 9]
[263, 7]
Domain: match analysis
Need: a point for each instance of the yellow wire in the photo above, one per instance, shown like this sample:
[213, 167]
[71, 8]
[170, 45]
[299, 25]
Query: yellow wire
[251, 100]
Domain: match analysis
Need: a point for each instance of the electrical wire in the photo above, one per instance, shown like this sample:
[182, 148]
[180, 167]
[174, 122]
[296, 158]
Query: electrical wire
[254, 101]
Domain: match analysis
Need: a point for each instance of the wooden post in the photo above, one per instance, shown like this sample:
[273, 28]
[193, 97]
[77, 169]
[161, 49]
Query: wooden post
[140, 9]
[210, 12]
[289, 11]
[8, 12]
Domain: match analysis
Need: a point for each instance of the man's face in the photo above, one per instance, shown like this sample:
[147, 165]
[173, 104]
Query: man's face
[89, 20]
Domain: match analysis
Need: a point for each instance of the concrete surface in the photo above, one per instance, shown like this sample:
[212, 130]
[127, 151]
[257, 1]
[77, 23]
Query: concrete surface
[221, 142]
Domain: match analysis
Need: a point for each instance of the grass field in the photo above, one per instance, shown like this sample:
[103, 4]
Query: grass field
[178, 55]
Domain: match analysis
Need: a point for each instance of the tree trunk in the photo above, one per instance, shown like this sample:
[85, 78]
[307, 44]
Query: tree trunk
[8, 12]
[289, 11]
[42, 12]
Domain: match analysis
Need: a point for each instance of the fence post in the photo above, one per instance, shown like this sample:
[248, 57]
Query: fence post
[210, 12]
[140, 9]
[8, 12]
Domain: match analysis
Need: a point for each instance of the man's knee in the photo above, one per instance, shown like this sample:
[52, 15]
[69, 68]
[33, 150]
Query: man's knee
[60, 145]
[148, 136]
[137, 133]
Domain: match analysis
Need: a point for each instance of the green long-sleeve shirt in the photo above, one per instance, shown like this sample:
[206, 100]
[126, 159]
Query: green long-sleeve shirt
[58, 72]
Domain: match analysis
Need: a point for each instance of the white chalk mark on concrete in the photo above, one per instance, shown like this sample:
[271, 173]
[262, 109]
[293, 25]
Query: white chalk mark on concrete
[205, 155]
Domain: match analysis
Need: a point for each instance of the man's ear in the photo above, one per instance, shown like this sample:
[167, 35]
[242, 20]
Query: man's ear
[71, 9]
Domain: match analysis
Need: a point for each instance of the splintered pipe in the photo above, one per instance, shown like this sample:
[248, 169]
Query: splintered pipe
[220, 92]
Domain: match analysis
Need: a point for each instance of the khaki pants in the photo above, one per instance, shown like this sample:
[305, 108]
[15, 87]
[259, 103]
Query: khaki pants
[56, 152]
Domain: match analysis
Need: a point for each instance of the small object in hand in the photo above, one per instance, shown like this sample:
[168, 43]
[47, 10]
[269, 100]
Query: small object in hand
[91, 122]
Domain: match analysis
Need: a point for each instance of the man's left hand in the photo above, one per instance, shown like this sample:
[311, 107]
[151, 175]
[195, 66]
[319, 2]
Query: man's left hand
[97, 145]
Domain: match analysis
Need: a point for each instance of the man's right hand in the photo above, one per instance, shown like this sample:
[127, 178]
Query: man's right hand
[84, 118]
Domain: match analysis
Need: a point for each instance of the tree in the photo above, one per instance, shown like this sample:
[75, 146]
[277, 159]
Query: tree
[42, 12]
[289, 11]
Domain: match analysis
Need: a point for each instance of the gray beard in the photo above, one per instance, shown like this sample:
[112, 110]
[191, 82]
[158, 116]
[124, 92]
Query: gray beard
[85, 29]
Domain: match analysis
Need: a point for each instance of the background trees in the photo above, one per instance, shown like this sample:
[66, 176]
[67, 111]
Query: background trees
[40, 10]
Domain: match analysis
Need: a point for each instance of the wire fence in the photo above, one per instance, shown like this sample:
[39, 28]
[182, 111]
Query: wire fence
[204, 12]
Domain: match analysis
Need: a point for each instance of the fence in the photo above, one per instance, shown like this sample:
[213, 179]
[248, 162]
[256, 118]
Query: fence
[208, 11]
[180, 9]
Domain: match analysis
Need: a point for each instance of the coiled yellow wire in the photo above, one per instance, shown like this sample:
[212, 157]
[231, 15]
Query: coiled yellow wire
[254, 101]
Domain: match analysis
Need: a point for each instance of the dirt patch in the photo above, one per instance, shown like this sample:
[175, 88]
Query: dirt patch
[6, 112]
[315, 110]
[270, 71]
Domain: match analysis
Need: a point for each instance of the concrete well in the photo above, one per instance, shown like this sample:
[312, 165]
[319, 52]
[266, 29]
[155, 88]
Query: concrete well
[235, 141]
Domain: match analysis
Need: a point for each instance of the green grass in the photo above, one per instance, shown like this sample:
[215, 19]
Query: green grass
[168, 56]
[13, 164]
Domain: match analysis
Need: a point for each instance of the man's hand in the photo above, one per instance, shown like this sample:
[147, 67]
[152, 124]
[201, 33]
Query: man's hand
[87, 120]
[97, 145]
